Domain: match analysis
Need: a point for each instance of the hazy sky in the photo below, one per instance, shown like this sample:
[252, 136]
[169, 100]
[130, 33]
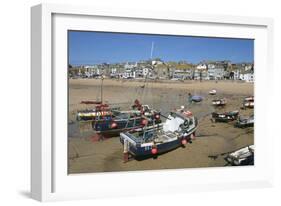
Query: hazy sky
[100, 47]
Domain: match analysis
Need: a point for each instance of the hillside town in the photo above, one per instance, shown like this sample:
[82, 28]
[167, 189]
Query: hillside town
[170, 70]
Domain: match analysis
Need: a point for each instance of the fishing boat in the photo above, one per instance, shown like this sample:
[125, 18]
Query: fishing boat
[243, 156]
[100, 111]
[119, 120]
[107, 121]
[213, 92]
[224, 117]
[219, 102]
[178, 129]
[244, 122]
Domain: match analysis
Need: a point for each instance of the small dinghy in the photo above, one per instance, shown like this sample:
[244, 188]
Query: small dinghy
[224, 117]
[250, 98]
[213, 92]
[219, 102]
[194, 98]
[248, 102]
[243, 156]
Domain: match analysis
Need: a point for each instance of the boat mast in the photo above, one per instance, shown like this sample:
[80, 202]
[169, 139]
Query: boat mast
[151, 51]
[101, 88]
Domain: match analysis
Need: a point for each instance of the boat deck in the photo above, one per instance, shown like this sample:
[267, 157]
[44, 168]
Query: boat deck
[165, 137]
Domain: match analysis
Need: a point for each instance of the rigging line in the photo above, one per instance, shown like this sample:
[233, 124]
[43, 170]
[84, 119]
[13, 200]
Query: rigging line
[152, 92]
[143, 89]
[151, 51]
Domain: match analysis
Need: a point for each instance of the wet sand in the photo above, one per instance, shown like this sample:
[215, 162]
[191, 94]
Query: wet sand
[213, 139]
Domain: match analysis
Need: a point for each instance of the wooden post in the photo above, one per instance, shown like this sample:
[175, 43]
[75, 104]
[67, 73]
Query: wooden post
[192, 136]
[126, 151]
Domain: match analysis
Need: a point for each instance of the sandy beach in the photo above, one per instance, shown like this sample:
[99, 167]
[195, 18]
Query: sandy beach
[208, 150]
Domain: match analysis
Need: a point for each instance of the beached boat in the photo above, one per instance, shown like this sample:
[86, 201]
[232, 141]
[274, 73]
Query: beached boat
[107, 121]
[194, 98]
[248, 102]
[213, 92]
[91, 102]
[118, 121]
[176, 131]
[243, 156]
[225, 117]
[219, 102]
[100, 111]
[244, 122]
[250, 98]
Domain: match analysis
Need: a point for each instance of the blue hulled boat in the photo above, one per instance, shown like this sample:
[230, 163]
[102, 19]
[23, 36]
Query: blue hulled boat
[119, 120]
[177, 130]
[194, 98]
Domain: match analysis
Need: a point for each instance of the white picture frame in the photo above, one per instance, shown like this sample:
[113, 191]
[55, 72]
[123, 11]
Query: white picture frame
[49, 179]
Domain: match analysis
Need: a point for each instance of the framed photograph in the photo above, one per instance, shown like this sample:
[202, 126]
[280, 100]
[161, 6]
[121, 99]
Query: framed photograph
[137, 102]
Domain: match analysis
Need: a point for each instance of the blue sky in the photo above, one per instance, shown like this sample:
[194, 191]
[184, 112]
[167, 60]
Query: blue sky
[99, 47]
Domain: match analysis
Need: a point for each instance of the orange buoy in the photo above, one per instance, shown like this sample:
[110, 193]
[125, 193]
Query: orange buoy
[144, 122]
[113, 125]
[154, 150]
[183, 141]
[157, 116]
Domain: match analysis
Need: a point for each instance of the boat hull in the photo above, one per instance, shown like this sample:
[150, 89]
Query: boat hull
[196, 99]
[105, 127]
[178, 130]
[224, 117]
[161, 148]
[142, 150]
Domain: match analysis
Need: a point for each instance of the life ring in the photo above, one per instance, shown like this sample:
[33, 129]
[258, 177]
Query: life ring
[186, 123]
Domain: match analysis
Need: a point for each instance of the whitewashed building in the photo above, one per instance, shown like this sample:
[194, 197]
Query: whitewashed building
[129, 74]
[201, 66]
[236, 74]
[216, 73]
[211, 66]
[156, 62]
[199, 74]
[145, 71]
[182, 74]
[248, 67]
[247, 76]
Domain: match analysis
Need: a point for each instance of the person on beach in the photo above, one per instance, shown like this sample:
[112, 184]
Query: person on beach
[189, 98]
